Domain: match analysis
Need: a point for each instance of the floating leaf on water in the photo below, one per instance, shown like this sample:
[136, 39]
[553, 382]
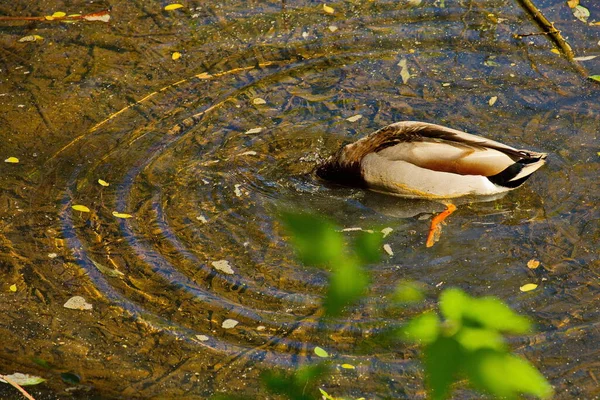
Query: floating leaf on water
[354, 118]
[223, 266]
[175, 56]
[79, 207]
[30, 38]
[321, 352]
[257, 101]
[555, 51]
[77, 303]
[584, 58]
[404, 73]
[121, 215]
[103, 182]
[492, 100]
[24, 379]
[386, 231]
[202, 338]
[594, 78]
[332, 28]
[173, 6]
[533, 264]
[229, 323]
[353, 229]
[581, 13]
[253, 130]
[327, 9]
[12, 160]
[107, 271]
[388, 249]
[572, 3]
[13, 288]
[446, 84]
[237, 190]
[248, 153]
[326, 396]
[348, 366]
[59, 14]
[528, 287]
[102, 16]
[414, 3]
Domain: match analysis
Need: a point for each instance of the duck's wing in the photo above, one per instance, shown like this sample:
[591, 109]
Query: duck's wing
[439, 148]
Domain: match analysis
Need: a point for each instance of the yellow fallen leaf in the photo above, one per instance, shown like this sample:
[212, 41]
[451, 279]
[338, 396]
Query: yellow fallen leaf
[12, 160]
[572, 3]
[492, 100]
[176, 55]
[103, 182]
[253, 130]
[533, 264]
[555, 51]
[348, 366]
[327, 9]
[321, 352]
[173, 6]
[30, 38]
[258, 101]
[121, 215]
[59, 14]
[354, 118]
[13, 288]
[528, 287]
[79, 207]
[388, 249]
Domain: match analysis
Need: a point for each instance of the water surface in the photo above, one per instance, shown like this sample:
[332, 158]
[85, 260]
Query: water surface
[205, 150]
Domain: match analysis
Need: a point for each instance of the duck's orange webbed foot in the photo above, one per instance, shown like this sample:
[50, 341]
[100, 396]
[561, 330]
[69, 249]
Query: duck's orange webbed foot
[435, 230]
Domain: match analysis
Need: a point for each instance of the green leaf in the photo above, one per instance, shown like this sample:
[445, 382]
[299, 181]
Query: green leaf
[594, 78]
[347, 284]
[487, 312]
[408, 292]
[314, 238]
[367, 247]
[492, 313]
[423, 329]
[453, 304]
[442, 360]
[505, 375]
[475, 338]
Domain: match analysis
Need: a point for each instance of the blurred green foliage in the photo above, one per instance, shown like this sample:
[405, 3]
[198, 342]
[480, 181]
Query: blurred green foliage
[464, 340]
[468, 343]
[319, 243]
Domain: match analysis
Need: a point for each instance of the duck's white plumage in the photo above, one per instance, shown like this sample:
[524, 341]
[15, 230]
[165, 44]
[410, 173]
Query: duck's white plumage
[422, 160]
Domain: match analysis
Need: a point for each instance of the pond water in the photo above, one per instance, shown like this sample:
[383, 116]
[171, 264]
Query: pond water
[205, 150]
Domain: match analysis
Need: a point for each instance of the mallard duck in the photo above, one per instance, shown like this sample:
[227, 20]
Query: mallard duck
[421, 160]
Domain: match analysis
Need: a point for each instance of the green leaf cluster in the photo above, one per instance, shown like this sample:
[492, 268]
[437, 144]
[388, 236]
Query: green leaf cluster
[468, 343]
[318, 243]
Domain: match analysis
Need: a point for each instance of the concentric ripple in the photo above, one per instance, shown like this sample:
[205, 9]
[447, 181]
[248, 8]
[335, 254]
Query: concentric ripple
[205, 165]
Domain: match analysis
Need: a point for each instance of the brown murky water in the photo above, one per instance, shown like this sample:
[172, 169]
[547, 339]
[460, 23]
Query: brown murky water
[204, 150]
